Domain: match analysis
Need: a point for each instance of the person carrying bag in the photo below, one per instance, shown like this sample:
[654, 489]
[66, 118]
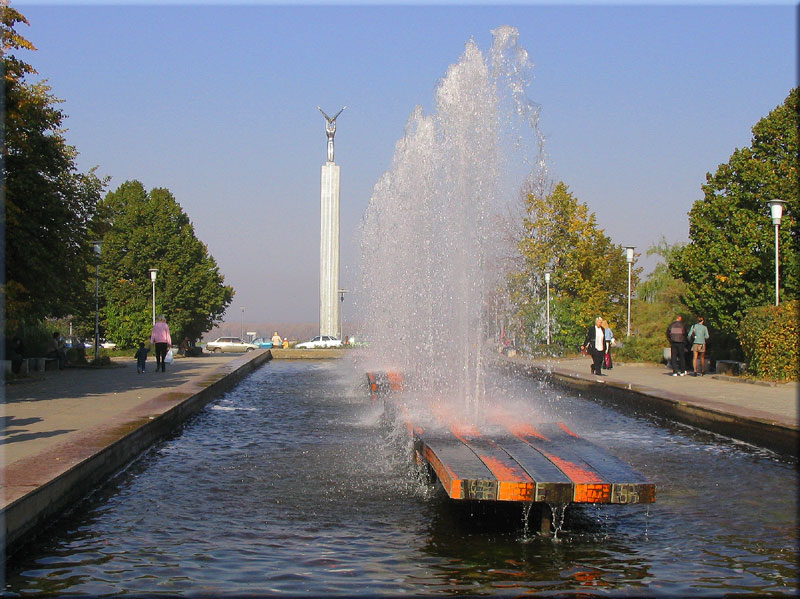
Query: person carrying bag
[162, 340]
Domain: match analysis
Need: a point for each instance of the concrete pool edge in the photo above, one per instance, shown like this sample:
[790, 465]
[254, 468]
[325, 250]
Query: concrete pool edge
[39, 493]
[751, 428]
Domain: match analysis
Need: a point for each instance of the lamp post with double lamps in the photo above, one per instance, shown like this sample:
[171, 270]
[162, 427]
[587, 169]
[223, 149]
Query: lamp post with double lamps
[776, 211]
[629, 257]
[153, 273]
[97, 245]
[547, 282]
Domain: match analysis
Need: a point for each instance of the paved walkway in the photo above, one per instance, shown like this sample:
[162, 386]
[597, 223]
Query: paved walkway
[776, 403]
[56, 407]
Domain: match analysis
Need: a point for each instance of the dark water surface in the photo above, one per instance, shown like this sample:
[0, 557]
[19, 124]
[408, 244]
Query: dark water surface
[289, 484]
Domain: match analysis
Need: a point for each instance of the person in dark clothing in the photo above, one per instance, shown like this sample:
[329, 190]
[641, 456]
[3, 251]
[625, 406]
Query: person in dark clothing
[141, 357]
[16, 354]
[676, 334]
[57, 350]
[595, 342]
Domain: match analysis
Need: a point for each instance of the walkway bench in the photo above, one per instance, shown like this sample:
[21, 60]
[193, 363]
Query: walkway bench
[730, 367]
[42, 364]
[32, 365]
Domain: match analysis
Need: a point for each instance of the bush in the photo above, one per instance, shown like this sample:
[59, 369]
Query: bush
[76, 355]
[35, 338]
[640, 349]
[100, 361]
[769, 338]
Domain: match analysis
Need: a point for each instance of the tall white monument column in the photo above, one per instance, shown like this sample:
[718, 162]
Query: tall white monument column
[329, 237]
[329, 251]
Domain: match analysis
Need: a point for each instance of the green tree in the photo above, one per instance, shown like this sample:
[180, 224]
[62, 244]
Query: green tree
[589, 272]
[660, 286]
[659, 298]
[728, 266]
[150, 230]
[48, 204]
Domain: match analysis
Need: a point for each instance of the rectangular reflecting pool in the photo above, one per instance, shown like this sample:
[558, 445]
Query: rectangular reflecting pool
[292, 483]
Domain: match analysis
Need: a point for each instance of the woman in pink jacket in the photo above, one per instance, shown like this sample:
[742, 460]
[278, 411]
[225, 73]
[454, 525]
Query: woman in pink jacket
[160, 337]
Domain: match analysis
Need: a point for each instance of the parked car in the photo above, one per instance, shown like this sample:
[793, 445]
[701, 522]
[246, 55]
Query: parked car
[320, 341]
[103, 343]
[262, 342]
[229, 344]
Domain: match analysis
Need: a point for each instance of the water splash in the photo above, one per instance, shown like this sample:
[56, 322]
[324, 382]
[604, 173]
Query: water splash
[431, 236]
[527, 537]
[558, 511]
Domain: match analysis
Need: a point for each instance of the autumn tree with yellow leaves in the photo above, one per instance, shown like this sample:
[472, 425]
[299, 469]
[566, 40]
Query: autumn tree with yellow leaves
[589, 273]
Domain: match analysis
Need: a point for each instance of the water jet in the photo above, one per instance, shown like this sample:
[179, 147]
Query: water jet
[433, 247]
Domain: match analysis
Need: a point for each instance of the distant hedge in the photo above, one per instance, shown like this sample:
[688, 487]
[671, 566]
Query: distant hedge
[769, 336]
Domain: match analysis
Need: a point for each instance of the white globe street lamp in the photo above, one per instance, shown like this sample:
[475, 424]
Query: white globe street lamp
[629, 257]
[776, 211]
[153, 273]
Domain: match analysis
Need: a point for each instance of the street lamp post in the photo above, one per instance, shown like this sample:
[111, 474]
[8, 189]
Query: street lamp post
[776, 210]
[547, 281]
[96, 245]
[241, 335]
[629, 257]
[341, 317]
[153, 273]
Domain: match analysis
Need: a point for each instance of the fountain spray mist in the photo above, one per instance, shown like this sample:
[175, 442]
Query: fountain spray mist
[431, 243]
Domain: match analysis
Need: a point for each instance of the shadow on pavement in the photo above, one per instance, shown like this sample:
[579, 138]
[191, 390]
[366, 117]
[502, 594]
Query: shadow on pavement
[21, 436]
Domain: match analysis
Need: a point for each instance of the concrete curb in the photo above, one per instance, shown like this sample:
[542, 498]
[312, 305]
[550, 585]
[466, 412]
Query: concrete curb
[308, 354]
[761, 432]
[38, 495]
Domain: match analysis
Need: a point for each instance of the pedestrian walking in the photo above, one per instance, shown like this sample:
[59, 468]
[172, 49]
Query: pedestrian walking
[595, 343]
[56, 348]
[608, 364]
[698, 336]
[161, 339]
[141, 357]
[676, 334]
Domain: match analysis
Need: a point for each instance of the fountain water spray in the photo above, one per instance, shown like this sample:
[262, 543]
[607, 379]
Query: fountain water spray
[430, 237]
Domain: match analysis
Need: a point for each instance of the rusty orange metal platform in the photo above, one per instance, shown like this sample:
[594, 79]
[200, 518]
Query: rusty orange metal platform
[509, 460]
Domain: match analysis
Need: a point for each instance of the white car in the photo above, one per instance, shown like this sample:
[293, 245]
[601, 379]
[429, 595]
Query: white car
[320, 341]
[103, 343]
[229, 344]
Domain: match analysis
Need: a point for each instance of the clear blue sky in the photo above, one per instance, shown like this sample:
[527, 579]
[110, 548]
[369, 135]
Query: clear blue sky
[218, 104]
